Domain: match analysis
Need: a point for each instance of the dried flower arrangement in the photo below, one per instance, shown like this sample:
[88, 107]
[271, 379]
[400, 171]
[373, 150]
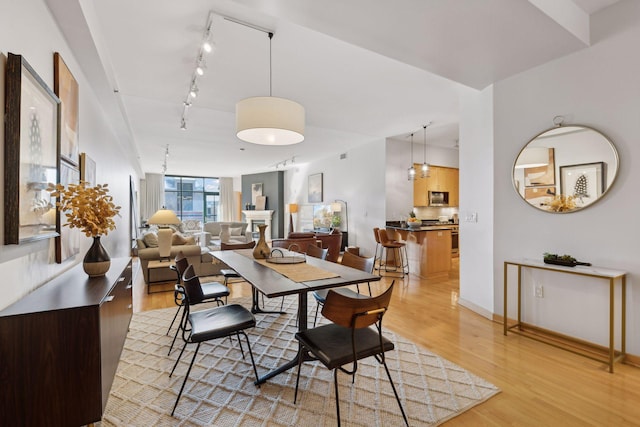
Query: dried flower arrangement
[91, 209]
[561, 203]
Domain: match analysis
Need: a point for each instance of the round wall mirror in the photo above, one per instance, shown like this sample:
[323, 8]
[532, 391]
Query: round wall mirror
[565, 169]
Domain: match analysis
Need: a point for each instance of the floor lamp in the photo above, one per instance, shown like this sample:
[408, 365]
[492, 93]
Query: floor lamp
[164, 217]
[293, 208]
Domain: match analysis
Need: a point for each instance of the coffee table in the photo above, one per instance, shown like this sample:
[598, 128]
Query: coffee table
[274, 284]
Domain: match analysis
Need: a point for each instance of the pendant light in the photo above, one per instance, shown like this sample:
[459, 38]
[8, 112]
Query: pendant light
[268, 120]
[425, 171]
[411, 172]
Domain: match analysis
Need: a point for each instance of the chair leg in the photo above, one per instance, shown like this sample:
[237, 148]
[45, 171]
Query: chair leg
[174, 319]
[177, 331]
[195, 353]
[386, 368]
[300, 359]
[178, 359]
[253, 363]
[335, 383]
[315, 318]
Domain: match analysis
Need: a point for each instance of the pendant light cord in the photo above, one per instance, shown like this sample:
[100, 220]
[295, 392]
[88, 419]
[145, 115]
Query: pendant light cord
[270, 67]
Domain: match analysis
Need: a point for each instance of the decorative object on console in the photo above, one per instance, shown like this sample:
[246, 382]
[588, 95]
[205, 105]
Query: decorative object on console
[565, 260]
[293, 208]
[164, 217]
[262, 250]
[91, 209]
[268, 120]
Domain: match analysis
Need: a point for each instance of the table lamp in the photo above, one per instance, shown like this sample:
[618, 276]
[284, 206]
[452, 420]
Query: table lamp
[164, 217]
[293, 208]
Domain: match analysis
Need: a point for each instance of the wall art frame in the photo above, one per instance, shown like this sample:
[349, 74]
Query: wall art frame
[68, 241]
[584, 181]
[65, 87]
[256, 190]
[31, 131]
[87, 170]
[314, 190]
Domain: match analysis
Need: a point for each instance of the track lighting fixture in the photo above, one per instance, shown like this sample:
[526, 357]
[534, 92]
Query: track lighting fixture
[206, 47]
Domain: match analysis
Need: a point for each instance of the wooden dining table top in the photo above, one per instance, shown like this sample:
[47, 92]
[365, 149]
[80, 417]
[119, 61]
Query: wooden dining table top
[273, 283]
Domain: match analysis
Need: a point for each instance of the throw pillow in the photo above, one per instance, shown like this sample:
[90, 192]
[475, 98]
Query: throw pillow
[151, 240]
[178, 239]
[236, 231]
[191, 240]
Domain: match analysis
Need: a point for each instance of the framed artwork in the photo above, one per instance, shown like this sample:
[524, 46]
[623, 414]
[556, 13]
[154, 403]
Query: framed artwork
[30, 154]
[87, 170]
[68, 241]
[65, 87]
[315, 188]
[583, 181]
[541, 175]
[256, 190]
[531, 193]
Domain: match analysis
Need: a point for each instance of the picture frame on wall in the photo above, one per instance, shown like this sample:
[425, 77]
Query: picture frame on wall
[87, 170]
[68, 241]
[65, 87]
[314, 190]
[31, 128]
[583, 181]
[256, 190]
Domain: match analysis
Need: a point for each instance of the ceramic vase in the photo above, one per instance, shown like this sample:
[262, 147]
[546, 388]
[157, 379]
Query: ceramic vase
[96, 262]
[262, 250]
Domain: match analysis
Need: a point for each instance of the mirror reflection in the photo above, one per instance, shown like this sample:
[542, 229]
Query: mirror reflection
[565, 169]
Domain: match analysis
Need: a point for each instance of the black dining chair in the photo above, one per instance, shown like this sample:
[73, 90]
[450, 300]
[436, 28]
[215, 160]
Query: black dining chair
[348, 338]
[353, 261]
[209, 292]
[209, 324]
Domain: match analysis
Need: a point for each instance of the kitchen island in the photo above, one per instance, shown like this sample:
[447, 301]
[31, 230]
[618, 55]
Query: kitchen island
[428, 248]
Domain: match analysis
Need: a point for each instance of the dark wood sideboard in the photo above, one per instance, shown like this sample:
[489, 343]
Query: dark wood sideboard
[60, 346]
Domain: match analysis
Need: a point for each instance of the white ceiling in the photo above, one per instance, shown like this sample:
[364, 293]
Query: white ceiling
[363, 69]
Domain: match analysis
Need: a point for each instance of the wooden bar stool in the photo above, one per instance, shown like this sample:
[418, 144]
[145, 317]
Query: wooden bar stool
[398, 251]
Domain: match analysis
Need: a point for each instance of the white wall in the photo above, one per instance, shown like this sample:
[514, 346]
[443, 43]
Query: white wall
[357, 180]
[598, 87]
[476, 238]
[27, 28]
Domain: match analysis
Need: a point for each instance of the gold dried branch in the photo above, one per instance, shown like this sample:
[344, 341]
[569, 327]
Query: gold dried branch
[561, 203]
[91, 209]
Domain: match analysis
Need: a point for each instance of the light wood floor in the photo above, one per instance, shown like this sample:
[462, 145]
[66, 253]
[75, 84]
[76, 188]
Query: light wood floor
[541, 385]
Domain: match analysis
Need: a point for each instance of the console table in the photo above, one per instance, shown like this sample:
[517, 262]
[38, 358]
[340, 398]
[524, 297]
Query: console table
[610, 276]
[60, 346]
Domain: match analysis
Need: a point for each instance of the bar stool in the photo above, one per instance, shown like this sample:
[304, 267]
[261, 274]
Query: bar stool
[376, 236]
[397, 249]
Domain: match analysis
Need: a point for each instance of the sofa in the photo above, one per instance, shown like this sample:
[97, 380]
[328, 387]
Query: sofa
[147, 248]
[211, 237]
[331, 241]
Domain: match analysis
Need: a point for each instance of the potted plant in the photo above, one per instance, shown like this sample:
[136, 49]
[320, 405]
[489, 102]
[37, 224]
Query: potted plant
[91, 209]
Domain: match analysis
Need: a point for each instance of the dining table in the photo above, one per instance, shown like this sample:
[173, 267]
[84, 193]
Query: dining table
[275, 280]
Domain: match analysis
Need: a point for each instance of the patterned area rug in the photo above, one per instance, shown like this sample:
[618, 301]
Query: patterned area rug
[220, 389]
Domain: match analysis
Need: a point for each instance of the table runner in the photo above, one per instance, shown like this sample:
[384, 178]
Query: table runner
[301, 272]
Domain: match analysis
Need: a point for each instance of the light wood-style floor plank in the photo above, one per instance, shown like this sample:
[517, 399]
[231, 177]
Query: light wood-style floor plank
[541, 385]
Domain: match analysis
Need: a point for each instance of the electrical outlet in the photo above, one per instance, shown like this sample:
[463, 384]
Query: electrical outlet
[539, 291]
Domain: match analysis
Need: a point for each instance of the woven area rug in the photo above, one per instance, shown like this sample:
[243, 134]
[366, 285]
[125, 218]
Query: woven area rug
[220, 389]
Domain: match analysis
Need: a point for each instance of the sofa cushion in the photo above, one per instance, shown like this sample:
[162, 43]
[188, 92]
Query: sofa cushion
[236, 231]
[150, 240]
[178, 239]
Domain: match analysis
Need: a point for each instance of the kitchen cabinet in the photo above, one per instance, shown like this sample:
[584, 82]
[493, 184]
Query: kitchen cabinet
[60, 346]
[440, 179]
[428, 250]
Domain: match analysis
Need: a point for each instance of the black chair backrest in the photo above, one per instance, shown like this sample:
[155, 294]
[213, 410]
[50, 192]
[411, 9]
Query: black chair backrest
[357, 261]
[356, 312]
[191, 285]
[234, 246]
[181, 265]
[317, 252]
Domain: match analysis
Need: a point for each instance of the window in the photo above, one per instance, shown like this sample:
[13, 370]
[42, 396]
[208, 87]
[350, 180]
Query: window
[192, 197]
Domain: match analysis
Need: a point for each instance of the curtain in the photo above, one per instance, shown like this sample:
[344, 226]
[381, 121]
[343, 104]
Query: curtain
[227, 202]
[154, 194]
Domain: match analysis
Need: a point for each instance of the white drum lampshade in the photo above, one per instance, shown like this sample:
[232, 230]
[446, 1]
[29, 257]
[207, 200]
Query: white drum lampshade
[268, 120]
